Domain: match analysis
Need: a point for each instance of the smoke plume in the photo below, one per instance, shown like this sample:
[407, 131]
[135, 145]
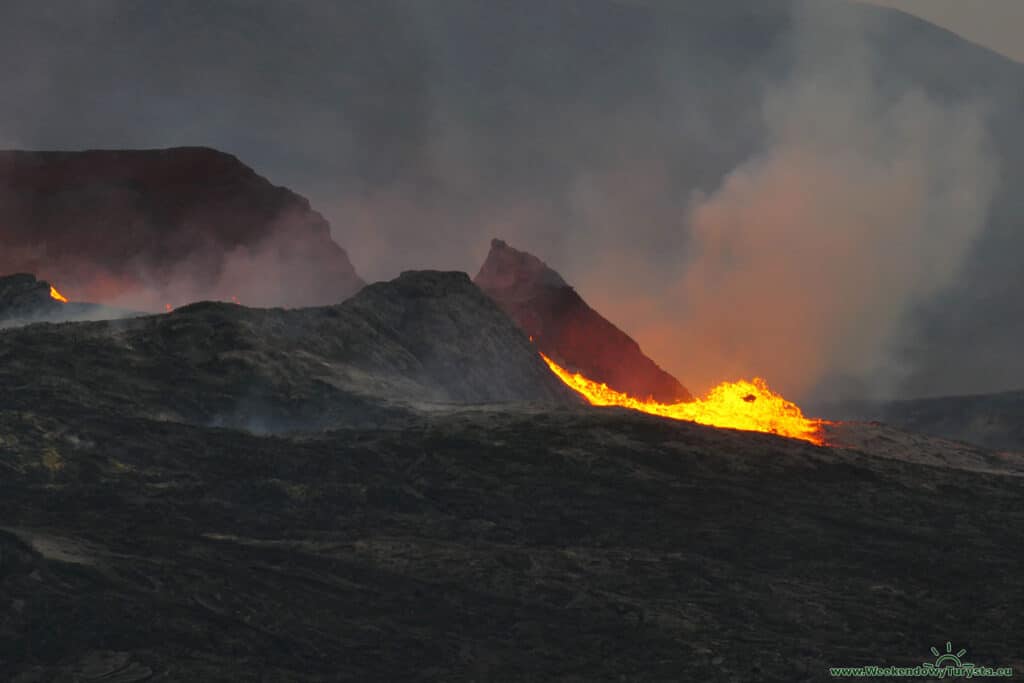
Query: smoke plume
[804, 261]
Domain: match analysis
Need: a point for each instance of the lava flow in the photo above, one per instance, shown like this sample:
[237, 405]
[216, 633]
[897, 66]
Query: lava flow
[54, 294]
[750, 406]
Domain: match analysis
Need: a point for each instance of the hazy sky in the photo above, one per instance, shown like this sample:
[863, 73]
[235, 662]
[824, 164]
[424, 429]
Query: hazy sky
[996, 24]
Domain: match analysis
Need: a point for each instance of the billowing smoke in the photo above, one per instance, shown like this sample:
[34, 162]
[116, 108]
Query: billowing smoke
[805, 261]
[841, 198]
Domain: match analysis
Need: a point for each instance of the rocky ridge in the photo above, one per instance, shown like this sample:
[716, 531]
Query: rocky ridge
[425, 337]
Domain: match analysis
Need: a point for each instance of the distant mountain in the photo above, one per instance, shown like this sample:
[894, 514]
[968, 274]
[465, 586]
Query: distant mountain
[425, 337]
[24, 300]
[993, 421]
[569, 331]
[22, 296]
[172, 225]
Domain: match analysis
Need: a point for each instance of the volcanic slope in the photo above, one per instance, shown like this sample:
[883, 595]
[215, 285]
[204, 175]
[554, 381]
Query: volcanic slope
[423, 337]
[569, 331]
[535, 540]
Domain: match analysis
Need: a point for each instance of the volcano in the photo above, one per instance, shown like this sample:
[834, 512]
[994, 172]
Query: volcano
[425, 338]
[565, 328]
[432, 505]
[146, 227]
[23, 297]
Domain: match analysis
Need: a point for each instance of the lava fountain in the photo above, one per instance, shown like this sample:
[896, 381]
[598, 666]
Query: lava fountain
[57, 296]
[747, 405]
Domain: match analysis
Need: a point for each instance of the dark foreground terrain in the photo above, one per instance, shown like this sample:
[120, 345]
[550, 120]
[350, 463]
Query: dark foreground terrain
[411, 538]
[488, 545]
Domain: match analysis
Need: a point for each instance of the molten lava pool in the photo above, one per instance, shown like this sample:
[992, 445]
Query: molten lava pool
[751, 406]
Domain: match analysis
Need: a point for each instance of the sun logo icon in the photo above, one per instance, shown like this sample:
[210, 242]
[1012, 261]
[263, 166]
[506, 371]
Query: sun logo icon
[948, 659]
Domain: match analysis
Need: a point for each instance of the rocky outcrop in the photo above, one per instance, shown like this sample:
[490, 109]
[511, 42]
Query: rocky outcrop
[569, 331]
[145, 227]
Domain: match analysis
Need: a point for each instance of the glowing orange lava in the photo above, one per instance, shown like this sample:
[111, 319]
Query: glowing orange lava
[54, 294]
[751, 406]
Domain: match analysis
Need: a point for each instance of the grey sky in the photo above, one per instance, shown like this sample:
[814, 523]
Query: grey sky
[996, 24]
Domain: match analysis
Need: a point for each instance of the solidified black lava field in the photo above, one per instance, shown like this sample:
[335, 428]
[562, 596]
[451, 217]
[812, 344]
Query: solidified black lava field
[166, 514]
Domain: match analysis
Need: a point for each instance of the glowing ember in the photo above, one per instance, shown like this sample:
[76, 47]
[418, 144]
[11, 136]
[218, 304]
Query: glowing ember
[54, 294]
[751, 406]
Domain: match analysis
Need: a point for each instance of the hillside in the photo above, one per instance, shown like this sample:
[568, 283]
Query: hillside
[425, 337]
[396, 488]
[511, 545]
